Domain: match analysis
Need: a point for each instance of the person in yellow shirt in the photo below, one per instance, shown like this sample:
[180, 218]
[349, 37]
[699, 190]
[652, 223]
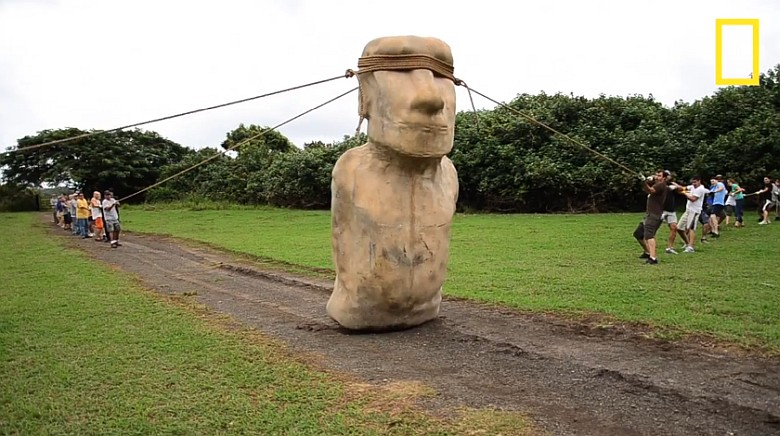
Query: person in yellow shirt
[82, 215]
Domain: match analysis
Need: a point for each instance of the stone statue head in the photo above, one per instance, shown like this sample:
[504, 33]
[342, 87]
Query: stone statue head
[409, 110]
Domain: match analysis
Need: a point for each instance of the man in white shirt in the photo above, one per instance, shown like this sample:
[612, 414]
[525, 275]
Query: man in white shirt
[695, 194]
[110, 206]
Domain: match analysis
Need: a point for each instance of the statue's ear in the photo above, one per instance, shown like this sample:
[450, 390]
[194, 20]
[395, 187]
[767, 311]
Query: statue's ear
[364, 109]
[367, 94]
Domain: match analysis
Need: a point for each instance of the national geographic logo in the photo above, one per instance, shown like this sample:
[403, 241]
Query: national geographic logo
[752, 80]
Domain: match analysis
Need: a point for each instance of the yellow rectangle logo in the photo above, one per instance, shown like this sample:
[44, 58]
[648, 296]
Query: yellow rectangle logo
[753, 80]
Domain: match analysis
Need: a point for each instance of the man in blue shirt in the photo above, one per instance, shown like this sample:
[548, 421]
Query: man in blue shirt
[718, 189]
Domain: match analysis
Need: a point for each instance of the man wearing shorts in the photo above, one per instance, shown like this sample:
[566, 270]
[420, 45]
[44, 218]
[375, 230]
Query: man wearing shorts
[669, 215]
[695, 194]
[656, 189]
[718, 204]
[765, 200]
[111, 215]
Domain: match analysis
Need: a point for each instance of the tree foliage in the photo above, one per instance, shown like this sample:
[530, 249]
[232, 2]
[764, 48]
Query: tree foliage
[19, 198]
[504, 161]
[123, 161]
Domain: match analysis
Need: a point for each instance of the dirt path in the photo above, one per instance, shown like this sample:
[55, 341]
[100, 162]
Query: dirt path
[572, 382]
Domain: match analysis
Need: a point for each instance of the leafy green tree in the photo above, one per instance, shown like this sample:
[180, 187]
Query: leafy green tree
[123, 161]
[302, 180]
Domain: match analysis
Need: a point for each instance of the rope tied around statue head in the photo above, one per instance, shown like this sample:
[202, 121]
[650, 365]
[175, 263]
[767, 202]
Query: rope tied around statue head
[402, 62]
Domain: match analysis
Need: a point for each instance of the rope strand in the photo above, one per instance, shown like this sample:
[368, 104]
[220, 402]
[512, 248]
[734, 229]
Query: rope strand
[239, 144]
[471, 98]
[572, 140]
[244, 100]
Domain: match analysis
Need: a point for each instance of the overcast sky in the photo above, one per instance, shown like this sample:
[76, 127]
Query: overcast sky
[105, 63]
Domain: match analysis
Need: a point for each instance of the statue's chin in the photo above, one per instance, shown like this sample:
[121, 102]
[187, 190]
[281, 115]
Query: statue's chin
[420, 145]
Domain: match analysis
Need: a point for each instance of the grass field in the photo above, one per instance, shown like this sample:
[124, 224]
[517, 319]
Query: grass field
[84, 350]
[570, 264]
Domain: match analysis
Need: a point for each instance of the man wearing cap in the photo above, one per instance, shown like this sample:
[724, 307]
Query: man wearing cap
[110, 206]
[656, 189]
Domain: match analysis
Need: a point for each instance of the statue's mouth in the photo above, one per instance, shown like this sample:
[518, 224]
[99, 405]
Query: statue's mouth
[427, 128]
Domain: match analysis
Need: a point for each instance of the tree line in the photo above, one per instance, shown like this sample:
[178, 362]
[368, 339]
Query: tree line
[505, 163]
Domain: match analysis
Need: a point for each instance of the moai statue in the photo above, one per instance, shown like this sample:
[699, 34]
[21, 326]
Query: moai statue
[394, 197]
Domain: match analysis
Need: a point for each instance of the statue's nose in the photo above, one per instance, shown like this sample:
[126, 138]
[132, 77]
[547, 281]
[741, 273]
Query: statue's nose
[427, 98]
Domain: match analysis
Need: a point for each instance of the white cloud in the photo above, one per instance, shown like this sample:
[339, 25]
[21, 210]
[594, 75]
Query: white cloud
[102, 64]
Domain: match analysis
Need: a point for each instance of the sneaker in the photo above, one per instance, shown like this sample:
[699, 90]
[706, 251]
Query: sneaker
[113, 245]
[761, 223]
[715, 235]
[705, 241]
[689, 249]
[644, 256]
[670, 251]
[651, 261]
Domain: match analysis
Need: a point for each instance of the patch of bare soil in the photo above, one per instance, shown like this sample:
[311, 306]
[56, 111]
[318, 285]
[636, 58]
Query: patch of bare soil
[570, 380]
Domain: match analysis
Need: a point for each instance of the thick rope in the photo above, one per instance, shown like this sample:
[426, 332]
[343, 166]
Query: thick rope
[98, 132]
[471, 98]
[404, 62]
[252, 138]
[368, 64]
[572, 140]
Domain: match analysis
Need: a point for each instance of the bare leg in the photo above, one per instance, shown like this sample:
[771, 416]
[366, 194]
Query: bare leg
[650, 244]
[672, 235]
[684, 235]
[714, 224]
[643, 244]
[705, 231]
[691, 237]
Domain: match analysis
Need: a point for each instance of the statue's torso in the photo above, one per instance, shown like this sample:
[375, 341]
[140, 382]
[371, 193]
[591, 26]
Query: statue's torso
[391, 243]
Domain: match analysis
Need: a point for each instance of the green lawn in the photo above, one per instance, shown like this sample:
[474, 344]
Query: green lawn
[84, 350]
[572, 264]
